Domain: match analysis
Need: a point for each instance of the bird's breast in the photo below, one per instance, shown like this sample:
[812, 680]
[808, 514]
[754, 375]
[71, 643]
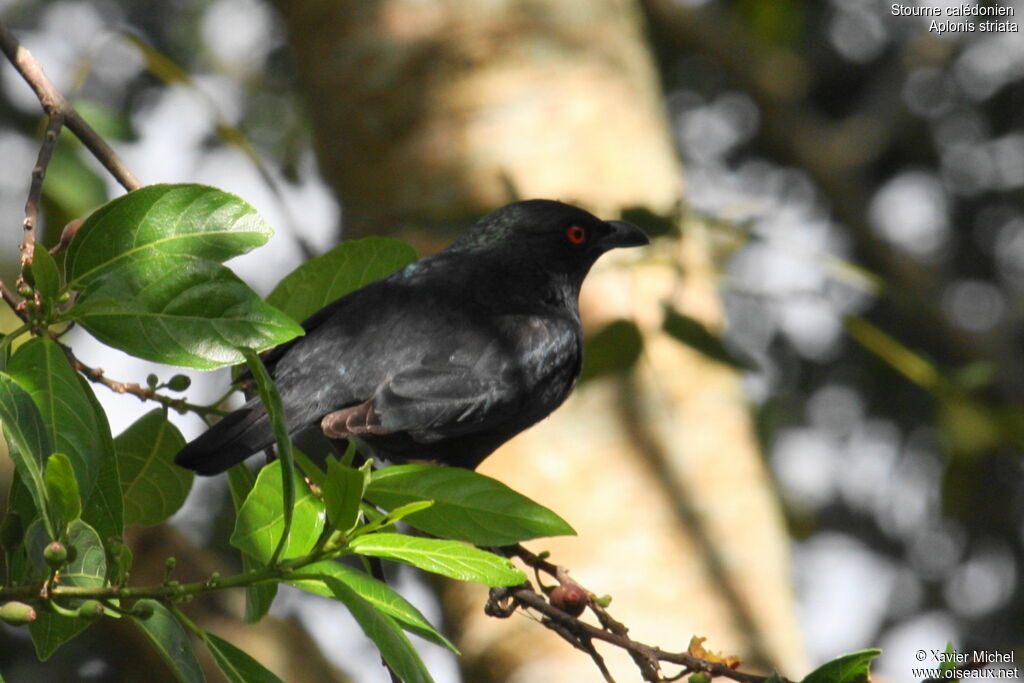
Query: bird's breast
[548, 357]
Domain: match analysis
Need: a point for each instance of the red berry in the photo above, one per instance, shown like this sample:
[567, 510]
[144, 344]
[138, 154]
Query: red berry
[569, 598]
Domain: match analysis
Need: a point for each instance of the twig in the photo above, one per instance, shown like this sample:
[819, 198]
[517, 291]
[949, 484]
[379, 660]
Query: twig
[588, 647]
[60, 114]
[55, 105]
[504, 601]
[35, 192]
[16, 303]
[97, 376]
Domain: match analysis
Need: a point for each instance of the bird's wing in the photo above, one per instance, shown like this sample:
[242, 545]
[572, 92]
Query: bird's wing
[428, 402]
[480, 378]
[444, 401]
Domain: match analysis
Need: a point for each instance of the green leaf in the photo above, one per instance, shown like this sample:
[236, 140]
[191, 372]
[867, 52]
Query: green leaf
[6, 343]
[286, 458]
[468, 506]
[44, 273]
[343, 269]
[171, 641]
[259, 597]
[309, 468]
[912, 365]
[159, 221]
[260, 522]
[51, 630]
[240, 483]
[29, 443]
[613, 349]
[104, 507]
[120, 560]
[181, 311]
[395, 515]
[384, 599]
[237, 665]
[36, 540]
[62, 488]
[88, 570]
[153, 487]
[394, 646]
[692, 333]
[42, 368]
[852, 668]
[78, 423]
[447, 558]
[23, 508]
[343, 490]
[949, 663]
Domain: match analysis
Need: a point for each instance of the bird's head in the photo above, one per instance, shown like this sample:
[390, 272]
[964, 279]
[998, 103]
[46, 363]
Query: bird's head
[559, 237]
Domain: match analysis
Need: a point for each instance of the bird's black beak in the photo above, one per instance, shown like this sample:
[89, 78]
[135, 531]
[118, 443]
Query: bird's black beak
[623, 234]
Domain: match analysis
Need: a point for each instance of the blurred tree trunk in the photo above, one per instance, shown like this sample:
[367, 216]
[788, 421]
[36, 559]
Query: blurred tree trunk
[430, 113]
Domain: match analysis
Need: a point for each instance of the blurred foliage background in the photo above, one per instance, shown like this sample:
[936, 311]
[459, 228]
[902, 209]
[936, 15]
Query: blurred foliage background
[861, 179]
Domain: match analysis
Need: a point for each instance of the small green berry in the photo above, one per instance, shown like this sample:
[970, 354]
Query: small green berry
[179, 383]
[56, 555]
[17, 613]
[90, 610]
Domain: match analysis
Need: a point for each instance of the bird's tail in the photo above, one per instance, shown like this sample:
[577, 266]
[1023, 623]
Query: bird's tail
[239, 435]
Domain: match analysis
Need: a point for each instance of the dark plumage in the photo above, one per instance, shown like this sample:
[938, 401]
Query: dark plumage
[446, 359]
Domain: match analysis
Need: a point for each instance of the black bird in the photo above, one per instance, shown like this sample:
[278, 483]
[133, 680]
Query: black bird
[446, 359]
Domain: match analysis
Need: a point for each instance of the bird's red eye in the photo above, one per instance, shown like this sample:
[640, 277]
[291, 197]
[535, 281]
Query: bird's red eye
[576, 234]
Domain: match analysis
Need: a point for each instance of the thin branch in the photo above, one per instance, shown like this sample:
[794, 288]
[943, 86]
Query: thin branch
[35, 192]
[55, 105]
[16, 303]
[588, 647]
[580, 634]
[527, 597]
[97, 376]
